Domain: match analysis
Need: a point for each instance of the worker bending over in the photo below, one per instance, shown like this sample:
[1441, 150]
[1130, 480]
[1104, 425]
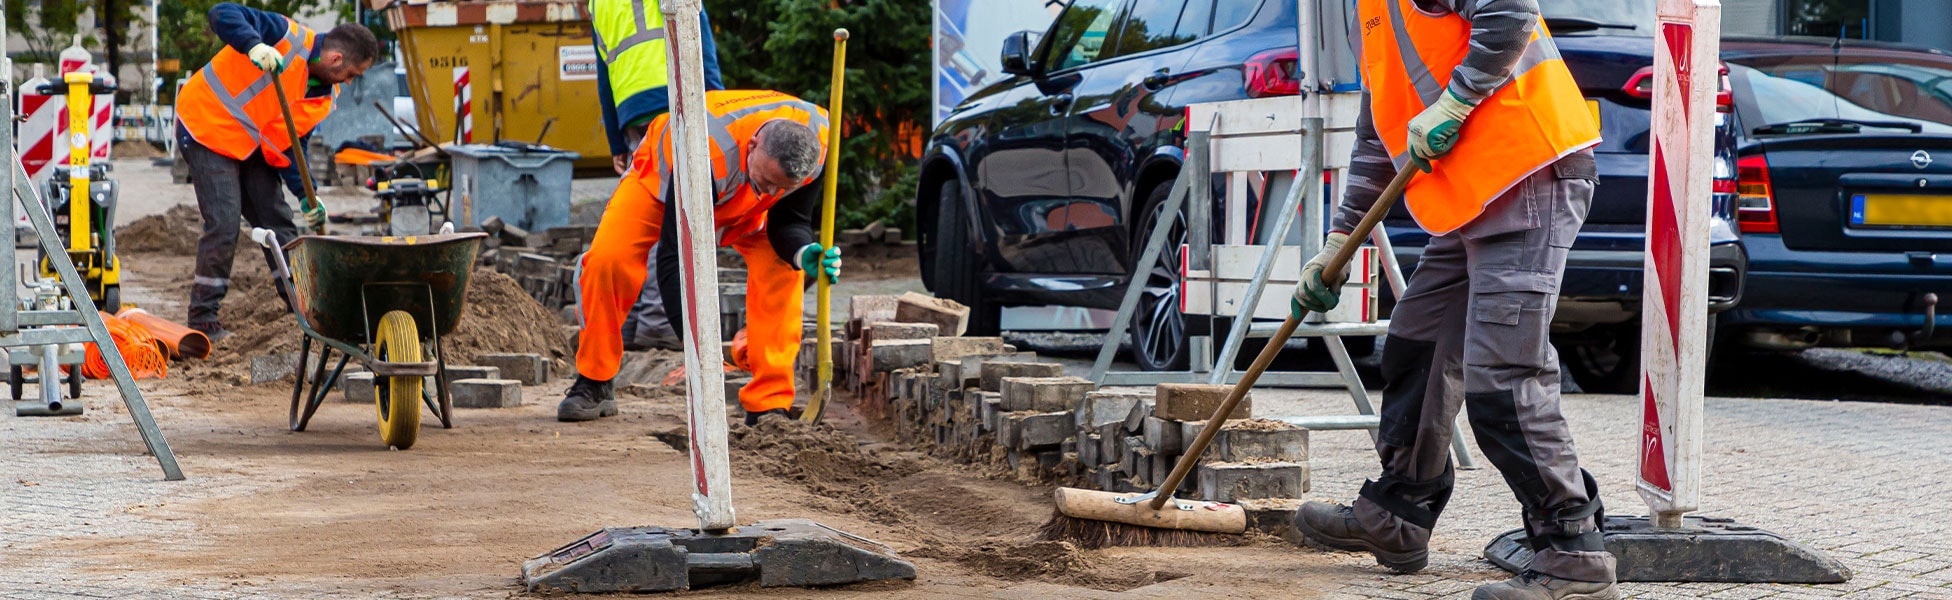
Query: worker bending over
[1472, 92]
[630, 83]
[232, 133]
[766, 148]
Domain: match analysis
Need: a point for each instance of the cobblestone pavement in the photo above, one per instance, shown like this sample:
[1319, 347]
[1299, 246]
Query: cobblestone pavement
[1860, 481]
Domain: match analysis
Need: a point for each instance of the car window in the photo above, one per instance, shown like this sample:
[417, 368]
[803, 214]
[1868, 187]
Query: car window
[1151, 25]
[1193, 21]
[1791, 99]
[1228, 14]
[1911, 91]
[1598, 16]
[1082, 34]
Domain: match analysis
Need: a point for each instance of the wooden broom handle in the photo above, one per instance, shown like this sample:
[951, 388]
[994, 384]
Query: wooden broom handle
[1332, 272]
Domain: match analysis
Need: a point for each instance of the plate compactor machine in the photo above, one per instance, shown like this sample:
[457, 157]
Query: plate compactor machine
[87, 228]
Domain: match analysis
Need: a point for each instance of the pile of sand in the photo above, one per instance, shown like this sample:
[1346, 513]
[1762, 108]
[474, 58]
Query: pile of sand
[499, 317]
[843, 477]
[175, 232]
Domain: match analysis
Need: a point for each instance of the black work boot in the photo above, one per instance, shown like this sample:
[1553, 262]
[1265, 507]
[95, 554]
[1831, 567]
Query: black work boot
[587, 400]
[211, 329]
[752, 418]
[1336, 527]
[1533, 585]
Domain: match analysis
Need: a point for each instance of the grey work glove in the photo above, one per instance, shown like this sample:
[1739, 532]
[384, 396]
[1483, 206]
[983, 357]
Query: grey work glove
[1313, 293]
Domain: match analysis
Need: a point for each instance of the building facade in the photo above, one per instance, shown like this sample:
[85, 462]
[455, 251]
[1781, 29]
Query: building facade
[1916, 22]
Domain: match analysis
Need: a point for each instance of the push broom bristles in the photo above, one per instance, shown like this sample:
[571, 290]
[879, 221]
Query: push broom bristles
[1091, 534]
[1095, 519]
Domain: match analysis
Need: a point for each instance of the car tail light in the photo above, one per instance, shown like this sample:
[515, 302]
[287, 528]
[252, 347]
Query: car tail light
[1755, 200]
[1641, 86]
[1724, 91]
[1274, 73]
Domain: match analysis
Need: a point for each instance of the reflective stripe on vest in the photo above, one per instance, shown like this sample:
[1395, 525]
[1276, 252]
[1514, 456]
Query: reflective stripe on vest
[737, 208]
[642, 28]
[225, 108]
[234, 103]
[1536, 117]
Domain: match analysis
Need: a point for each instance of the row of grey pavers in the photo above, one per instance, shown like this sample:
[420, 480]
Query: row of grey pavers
[979, 400]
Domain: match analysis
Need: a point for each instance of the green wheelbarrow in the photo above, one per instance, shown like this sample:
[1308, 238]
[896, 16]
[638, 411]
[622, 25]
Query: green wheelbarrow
[385, 302]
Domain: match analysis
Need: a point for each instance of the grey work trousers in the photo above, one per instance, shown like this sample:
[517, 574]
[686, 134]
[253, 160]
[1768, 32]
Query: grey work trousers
[647, 317]
[1471, 331]
[229, 190]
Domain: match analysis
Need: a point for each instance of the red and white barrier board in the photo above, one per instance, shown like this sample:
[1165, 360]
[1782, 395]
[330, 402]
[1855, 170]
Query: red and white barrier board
[1675, 291]
[463, 106]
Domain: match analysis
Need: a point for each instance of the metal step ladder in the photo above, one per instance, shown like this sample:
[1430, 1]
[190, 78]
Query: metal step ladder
[41, 328]
[1304, 136]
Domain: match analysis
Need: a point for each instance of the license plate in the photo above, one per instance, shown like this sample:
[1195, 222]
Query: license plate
[1594, 105]
[1900, 210]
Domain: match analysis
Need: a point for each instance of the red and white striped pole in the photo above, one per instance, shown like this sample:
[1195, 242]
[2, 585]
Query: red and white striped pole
[463, 107]
[1674, 314]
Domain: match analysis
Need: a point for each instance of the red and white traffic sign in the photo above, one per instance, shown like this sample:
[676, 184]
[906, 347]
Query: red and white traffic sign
[1674, 315]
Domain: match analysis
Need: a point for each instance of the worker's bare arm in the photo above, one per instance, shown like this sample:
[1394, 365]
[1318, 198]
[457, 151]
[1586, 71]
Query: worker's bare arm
[1500, 30]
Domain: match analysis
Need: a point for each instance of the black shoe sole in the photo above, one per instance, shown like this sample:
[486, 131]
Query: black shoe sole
[1400, 562]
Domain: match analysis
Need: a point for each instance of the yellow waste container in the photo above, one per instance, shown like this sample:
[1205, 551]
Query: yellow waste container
[520, 66]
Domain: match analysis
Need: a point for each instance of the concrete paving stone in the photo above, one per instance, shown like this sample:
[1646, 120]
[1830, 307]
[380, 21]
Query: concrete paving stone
[900, 354]
[486, 393]
[528, 368]
[460, 372]
[949, 316]
[1196, 402]
[1106, 406]
[994, 371]
[951, 348]
[1044, 394]
[894, 330]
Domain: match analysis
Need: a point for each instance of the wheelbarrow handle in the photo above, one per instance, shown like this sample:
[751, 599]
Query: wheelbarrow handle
[269, 240]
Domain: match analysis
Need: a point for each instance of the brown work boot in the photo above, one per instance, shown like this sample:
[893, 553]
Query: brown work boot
[1533, 585]
[1335, 526]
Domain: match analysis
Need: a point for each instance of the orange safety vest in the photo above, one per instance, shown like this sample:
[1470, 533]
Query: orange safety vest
[1536, 118]
[227, 105]
[733, 119]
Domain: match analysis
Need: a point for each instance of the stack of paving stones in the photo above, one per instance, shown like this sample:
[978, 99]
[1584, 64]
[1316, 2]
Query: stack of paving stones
[496, 383]
[978, 400]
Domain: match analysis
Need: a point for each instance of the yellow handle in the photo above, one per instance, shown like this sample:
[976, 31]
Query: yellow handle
[81, 109]
[823, 316]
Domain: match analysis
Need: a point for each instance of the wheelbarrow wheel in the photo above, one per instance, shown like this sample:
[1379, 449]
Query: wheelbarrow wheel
[398, 398]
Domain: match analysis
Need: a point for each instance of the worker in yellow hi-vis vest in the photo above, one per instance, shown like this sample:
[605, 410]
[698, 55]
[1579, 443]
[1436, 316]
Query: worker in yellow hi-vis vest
[631, 86]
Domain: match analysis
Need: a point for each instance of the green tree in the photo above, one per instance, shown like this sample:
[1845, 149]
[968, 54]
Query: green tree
[787, 45]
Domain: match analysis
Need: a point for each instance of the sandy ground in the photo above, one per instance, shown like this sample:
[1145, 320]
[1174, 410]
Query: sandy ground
[330, 512]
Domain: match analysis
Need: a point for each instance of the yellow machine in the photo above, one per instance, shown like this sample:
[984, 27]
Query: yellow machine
[87, 228]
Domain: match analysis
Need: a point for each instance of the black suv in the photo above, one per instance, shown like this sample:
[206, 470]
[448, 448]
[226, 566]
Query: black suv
[1037, 189]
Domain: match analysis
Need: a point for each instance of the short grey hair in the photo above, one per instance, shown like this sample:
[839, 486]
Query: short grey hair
[794, 145]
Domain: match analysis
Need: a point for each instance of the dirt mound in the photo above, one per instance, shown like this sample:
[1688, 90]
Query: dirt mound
[503, 318]
[499, 317]
[843, 477]
[174, 232]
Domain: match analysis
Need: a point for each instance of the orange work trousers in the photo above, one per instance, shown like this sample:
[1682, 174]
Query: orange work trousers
[613, 276]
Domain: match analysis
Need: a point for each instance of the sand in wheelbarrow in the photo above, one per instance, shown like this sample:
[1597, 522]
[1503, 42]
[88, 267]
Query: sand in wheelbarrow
[499, 317]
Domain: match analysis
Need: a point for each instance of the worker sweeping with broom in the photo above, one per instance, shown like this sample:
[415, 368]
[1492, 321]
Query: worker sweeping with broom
[767, 148]
[1474, 94]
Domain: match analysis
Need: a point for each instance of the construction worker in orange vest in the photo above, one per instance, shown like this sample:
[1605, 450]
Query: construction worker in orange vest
[1472, 93]
[767, 150]
[232, 133]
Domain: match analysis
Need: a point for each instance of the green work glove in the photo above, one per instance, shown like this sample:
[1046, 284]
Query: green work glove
[1434, 131]
[267, 58]
[813, 260]
[1314, 294]
[315, 218]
